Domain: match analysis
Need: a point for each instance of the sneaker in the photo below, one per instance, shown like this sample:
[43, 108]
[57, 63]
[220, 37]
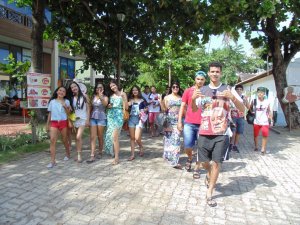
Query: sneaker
[235, 149]
[51, 165]
[66, 158]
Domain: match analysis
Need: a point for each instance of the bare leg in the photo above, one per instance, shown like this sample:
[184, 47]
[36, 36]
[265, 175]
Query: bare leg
[100, 130]
[116, 146]
[256, 142]
[64, 134]
[264, 144]
[132, 141]
[53, 139]
[138, 139]
[79, 142]
[93, 132]
[236, 139]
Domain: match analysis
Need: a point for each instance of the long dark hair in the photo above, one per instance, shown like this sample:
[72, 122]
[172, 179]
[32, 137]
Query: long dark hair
[54, 95]
[130, 95]
[110, 92]
[70, 96]
[95, 89]
[178, 84]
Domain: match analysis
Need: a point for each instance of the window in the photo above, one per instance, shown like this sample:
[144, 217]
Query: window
[4, 52]
[66, 68]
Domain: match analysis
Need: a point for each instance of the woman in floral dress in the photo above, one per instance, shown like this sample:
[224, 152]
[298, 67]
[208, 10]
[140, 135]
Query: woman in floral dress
[117, 103]
[171, 106]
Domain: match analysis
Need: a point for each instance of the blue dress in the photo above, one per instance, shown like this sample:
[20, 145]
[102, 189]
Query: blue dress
[114, 122]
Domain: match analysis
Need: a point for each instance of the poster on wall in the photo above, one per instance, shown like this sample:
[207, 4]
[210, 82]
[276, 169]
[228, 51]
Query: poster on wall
[38, 90]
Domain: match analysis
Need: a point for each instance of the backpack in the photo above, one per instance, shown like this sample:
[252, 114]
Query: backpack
[251, 113]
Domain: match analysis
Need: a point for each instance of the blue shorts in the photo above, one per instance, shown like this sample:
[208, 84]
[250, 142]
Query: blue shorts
[239, 125]
[190, 134]
[95, 122]
[134, 121]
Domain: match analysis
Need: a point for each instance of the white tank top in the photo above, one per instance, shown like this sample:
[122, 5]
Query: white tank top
[80, 113]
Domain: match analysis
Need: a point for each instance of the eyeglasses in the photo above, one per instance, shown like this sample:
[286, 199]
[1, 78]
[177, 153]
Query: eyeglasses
[175, 86]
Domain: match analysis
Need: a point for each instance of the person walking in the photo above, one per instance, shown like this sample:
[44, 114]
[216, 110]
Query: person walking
[238, 120]
[191, 122]
[117, 104]
[80, 106]
[214, 99]
[171, 105]
[98, 120]
[137, 106]
[57, 122]
[263, 119]
[154, 109]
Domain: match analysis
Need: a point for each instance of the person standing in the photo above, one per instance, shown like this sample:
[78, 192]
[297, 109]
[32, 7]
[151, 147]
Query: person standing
[98, 120]
[171, 105]
[214, 99]
[238, 120]
[80, 106]
[117, 104]
[145, 95]
[154, 109]
[58, 108]
[191, 122]
[263, 119]
[137, 106]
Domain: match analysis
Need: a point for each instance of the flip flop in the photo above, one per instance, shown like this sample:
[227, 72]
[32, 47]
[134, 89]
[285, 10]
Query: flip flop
[210, 202]
[131, 158]
[91, 160]
[196, 174]
[188, 165]
[115, 162]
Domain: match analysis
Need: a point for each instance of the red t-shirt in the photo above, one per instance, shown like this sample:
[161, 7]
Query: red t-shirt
[190, 116]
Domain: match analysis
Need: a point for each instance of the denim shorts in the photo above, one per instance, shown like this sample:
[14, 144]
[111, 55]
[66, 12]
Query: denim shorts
[95, 122]
[190, 134]
[79, 123]
[134, 121]
[239, 125]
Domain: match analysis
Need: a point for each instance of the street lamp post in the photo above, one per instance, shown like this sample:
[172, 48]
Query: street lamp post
[170, 75]
[121, 17]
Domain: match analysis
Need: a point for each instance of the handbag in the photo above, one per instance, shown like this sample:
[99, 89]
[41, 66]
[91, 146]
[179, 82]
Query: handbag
[250, 117]
[71, 120]
[125, 115]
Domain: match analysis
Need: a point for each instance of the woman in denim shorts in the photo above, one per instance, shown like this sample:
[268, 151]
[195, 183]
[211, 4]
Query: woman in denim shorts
[136, 119]
[98, 120]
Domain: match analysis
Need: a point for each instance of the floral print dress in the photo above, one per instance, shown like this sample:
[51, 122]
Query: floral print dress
[172, 134]
[114, 122]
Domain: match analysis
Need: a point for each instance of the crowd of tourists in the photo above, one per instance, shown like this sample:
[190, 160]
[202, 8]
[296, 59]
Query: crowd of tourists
[210, 118]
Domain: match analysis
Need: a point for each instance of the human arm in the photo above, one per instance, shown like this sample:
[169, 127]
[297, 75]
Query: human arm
[228, 94]
[48, 121]
[181, 110]
[196, 94]
[125, 101]
[88, 111]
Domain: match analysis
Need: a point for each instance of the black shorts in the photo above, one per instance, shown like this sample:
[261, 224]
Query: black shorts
[212, 147]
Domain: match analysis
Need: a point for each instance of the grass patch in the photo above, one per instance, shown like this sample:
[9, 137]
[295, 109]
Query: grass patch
[19, 152]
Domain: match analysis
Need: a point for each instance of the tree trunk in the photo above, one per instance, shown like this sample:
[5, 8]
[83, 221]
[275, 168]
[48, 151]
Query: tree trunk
[38, 28]
[279, 73]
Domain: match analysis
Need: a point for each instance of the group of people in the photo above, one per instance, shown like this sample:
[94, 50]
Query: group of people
[211, 118]
[9, 101]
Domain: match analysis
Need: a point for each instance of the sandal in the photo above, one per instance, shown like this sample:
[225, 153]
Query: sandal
[115, 162]
[196, 174]
[210, 202]
[91, 160]
[206, 181]
[131, 158]
[99, 156]
[255, 149]
[188, 165]
[141, 153]
[178, 167]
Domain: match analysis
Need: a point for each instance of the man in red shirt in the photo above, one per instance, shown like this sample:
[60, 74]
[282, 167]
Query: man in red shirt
[192, 120]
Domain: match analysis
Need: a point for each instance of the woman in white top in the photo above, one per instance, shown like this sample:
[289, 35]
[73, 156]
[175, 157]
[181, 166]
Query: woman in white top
[80, 106]
[263, 119]
[58, 108]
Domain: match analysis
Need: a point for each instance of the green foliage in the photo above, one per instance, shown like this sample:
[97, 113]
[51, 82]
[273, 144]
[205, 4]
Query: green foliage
[16, 69]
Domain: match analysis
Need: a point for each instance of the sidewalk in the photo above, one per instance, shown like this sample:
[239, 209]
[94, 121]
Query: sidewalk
[252, 189]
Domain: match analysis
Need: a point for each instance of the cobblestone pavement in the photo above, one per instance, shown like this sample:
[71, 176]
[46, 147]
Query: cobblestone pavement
[252, 189]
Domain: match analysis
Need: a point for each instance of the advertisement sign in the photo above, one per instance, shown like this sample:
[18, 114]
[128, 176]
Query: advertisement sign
[38, 90]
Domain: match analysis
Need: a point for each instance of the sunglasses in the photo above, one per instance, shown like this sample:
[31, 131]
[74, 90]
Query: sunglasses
[175, 86]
